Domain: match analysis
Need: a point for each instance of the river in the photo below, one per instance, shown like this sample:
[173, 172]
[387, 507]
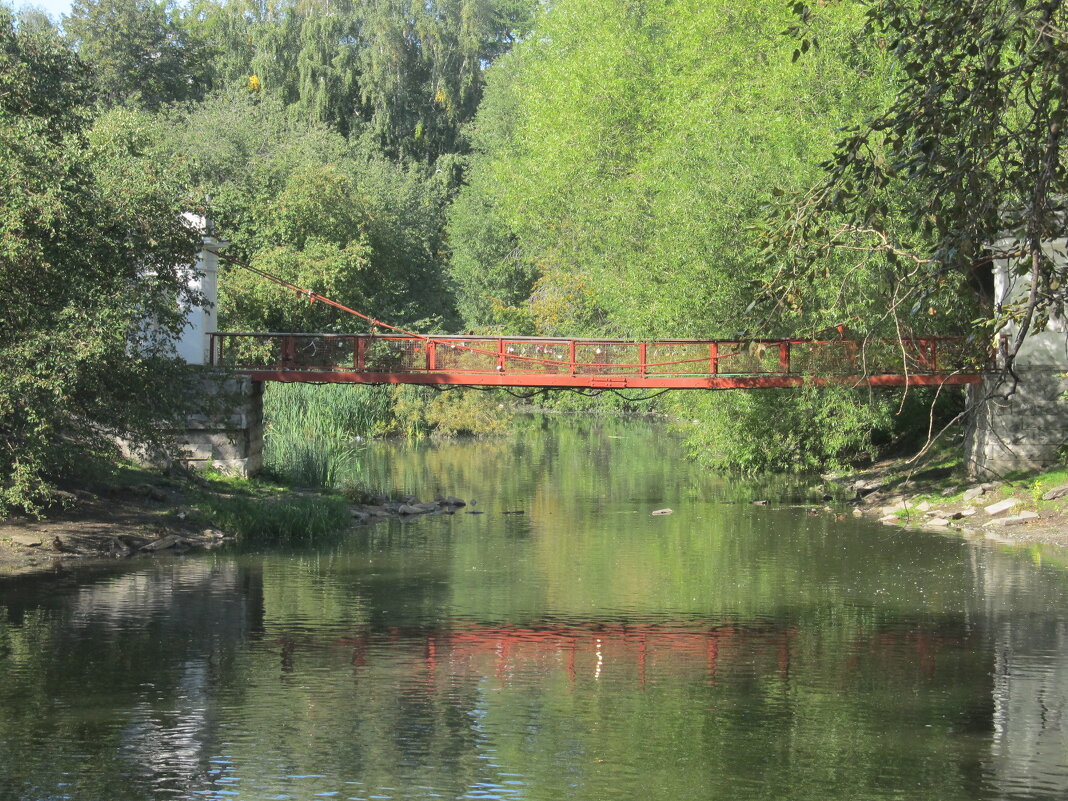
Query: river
[584, 649]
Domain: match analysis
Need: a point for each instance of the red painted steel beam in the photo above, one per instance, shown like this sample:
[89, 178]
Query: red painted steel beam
[630, 381]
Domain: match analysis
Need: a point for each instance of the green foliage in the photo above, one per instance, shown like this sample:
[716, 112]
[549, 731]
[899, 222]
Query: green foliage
[808, 429]
[628, 205]
[91, 263]
[407, 74]
[422, 411]
[422, 67]
[964, 164]
[781, 430]
[1043, 483]
[620, 161]
[311, 432]
[299, 200]
[281, 519]
[140, 51]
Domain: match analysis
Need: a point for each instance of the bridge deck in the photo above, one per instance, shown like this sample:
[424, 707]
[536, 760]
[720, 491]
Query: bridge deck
[595, 363]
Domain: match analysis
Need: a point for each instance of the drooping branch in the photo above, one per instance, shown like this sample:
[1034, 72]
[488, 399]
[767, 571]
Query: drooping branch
[968, 153]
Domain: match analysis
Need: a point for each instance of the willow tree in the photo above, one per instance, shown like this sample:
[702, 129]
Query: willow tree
[409, 73]
[623, 152]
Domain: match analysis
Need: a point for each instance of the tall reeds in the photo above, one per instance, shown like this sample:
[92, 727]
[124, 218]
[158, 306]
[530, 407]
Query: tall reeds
[311, 433]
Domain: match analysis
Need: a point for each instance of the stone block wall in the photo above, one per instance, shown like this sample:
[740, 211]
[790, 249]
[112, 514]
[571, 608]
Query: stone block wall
[228, 434]
[1025, 431]
[225, 434]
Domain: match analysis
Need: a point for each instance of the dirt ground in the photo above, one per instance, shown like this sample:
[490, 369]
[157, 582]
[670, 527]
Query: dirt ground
[118, 523]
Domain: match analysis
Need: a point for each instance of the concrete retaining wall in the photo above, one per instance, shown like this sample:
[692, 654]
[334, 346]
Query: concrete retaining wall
[1027, 429]
[227, 434]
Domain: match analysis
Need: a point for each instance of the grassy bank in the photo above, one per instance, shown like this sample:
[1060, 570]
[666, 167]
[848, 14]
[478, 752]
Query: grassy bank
[275, 518]
[255, 510]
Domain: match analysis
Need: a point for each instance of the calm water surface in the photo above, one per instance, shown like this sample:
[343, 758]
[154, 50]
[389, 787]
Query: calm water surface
[582, 650]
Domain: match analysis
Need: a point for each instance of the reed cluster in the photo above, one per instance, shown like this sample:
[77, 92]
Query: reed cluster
[312, 433]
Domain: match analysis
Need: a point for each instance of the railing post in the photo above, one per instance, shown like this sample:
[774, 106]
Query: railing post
[289, 351]
[851, 352]
[361, 356]
[571, 357]
[784, 356]
[933, 355]
[500, 355]
[431, 356]
[643, 362]
[713, 358]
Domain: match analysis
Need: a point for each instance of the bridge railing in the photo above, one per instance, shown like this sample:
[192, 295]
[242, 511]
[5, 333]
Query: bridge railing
[462, 359]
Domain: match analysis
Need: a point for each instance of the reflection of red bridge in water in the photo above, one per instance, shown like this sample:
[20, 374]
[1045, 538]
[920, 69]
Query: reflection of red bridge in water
[597, 363]
[590, 650]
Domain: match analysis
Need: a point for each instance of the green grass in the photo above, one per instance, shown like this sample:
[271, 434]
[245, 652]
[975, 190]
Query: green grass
[219, 482]
[1047, 481]
[279, 519]
[258, 510]
[1029, 486]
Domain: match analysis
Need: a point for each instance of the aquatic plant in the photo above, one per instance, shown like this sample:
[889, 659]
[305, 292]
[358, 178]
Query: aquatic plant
[311, 433]
[285, 518]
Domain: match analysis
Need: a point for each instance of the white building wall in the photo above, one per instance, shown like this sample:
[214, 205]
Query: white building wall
[194, 345]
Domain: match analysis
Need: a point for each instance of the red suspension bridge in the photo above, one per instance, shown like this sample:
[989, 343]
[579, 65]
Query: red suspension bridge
[403, 357]
[489, 361]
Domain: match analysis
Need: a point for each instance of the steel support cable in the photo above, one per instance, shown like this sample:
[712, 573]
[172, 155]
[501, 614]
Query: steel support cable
[316, 297]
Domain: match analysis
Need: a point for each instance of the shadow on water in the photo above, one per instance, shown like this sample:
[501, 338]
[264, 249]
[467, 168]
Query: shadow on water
[585, 649]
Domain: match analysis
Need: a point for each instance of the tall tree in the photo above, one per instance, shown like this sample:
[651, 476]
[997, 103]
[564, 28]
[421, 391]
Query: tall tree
[299, 199]
[139, 50]
[410, 73]
[622, 153]
[970, 152]
[91, 262]
[423, 67]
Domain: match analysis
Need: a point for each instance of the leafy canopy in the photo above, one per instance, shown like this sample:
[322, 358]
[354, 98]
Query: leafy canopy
[141, 51]
[303, 202]
[965, 163]
[622, 152]
[91, 248]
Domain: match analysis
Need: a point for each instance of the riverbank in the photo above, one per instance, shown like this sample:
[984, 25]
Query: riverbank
[143, 513]
[108, 521]
[1017, 510]
[140, 513]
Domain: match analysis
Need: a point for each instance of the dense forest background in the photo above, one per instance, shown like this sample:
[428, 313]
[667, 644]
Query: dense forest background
[580, 167]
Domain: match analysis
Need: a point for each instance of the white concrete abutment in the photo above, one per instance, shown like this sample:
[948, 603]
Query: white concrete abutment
[226, 433]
